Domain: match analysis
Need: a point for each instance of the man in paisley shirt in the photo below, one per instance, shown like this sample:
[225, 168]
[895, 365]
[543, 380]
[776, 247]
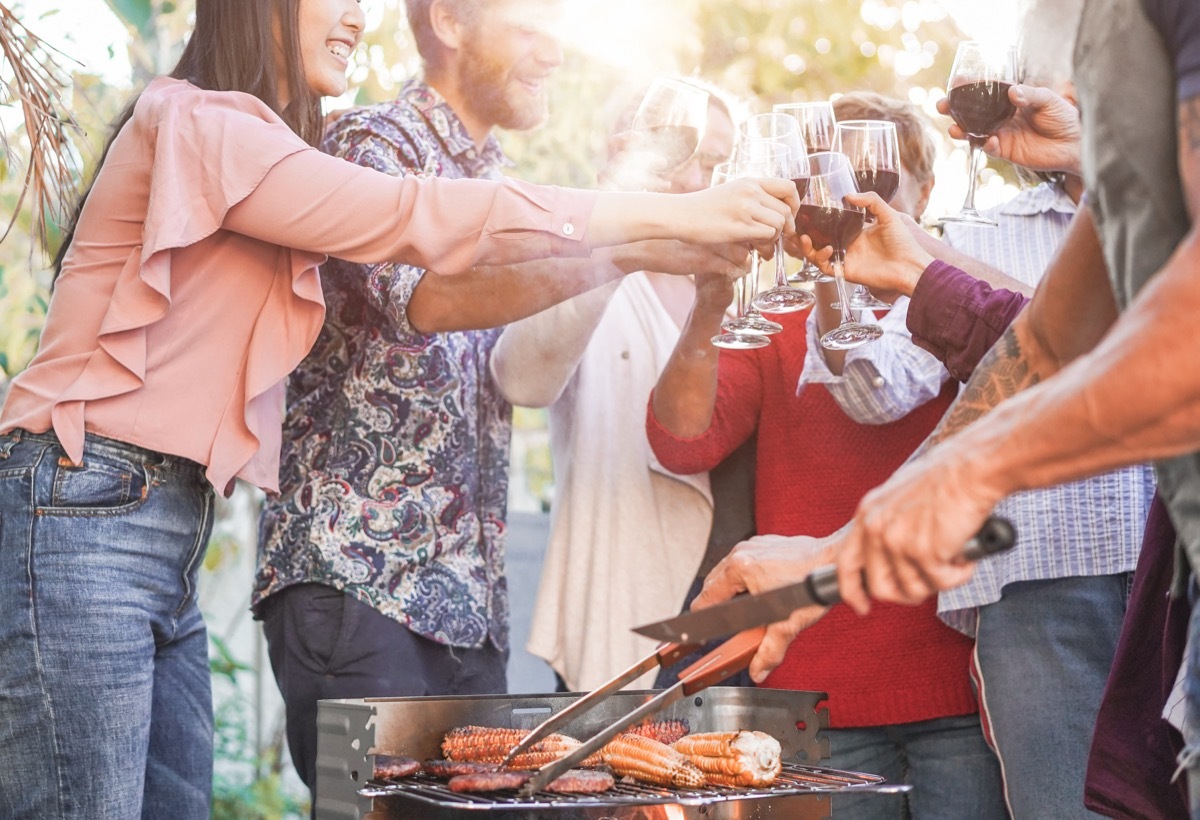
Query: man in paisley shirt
[381, 565]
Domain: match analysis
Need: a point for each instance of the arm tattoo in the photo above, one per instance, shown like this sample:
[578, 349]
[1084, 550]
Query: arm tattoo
[1002, 373]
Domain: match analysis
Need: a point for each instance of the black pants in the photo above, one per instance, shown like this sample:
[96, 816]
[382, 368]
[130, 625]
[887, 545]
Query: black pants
[326, 644]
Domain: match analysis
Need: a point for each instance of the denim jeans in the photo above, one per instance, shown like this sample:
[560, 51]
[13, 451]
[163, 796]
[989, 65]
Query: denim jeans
[953, 773]
[105, 700]
[1042, 655]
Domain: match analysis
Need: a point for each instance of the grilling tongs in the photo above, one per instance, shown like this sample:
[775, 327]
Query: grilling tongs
[728, 658]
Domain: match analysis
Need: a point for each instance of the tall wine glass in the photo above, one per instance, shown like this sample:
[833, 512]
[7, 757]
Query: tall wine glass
[874, 153]
[977, 93]
[740, 333]
[790, 164]
[756, 158]
[669, 123]
[828, 219]
[817, 126]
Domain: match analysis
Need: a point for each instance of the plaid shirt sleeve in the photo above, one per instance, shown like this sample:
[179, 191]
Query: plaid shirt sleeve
[882, 381]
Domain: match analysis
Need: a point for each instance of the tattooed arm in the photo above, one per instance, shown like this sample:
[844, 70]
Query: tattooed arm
[1135, 396]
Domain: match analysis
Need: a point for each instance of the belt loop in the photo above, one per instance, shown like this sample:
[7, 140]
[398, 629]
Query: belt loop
[7, 442]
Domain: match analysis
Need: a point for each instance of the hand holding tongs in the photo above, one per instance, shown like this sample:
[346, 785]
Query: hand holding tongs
[730, 657]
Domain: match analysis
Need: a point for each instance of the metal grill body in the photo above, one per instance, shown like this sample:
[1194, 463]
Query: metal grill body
[350, 732]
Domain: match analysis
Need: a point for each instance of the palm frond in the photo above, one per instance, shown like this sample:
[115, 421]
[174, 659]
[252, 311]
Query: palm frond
[31, 76]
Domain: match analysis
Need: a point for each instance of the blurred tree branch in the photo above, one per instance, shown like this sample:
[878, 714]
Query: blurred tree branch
[31, 76]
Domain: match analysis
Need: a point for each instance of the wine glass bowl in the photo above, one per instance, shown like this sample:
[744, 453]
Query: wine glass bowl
[873, 150]
[818, 126]
[668, 124]
[741, 332]
[977, 94]
[828, 219]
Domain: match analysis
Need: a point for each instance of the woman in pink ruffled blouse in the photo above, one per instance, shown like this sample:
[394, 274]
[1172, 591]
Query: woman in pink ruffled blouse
[187, 292]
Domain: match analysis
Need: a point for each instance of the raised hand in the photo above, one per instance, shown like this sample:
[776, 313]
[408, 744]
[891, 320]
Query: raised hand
[886, 256]
[766, 562]
[1044, 134]
[742, 210]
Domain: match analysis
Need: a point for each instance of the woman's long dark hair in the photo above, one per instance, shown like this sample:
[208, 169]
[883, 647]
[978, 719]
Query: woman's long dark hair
[232, 48]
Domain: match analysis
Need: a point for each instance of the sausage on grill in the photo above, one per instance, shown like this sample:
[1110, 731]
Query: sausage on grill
[395, 766]
[489, 781]
[445, 769]
[582, 781]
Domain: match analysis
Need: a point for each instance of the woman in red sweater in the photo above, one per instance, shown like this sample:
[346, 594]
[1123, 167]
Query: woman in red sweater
[900, 698]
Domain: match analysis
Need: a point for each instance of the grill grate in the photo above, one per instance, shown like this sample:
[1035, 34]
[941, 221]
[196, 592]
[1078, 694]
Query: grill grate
[794, 779]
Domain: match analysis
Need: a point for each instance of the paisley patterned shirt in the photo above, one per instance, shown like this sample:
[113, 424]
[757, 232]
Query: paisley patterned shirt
[394, 470]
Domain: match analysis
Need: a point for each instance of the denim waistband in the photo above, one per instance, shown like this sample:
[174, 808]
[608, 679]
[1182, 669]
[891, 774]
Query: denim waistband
[101, 445]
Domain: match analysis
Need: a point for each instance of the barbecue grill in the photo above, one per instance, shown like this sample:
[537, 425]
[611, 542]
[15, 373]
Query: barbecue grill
[351, 732]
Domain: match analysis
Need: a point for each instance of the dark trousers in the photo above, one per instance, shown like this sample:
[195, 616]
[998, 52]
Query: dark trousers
[326, 644]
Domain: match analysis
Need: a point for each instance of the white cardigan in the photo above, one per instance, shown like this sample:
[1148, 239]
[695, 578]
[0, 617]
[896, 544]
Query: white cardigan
[626, 535]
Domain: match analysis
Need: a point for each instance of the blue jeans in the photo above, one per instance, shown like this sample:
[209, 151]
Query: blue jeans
[953, 773]
[1042, 654]
[105, 701]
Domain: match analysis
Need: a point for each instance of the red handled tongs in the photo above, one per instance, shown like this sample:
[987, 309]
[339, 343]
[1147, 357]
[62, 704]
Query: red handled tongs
[727, 659]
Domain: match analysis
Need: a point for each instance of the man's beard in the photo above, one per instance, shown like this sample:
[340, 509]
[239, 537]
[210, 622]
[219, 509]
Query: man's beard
[486, 86]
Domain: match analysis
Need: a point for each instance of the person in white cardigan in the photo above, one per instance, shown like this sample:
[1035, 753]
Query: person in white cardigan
[626, 535]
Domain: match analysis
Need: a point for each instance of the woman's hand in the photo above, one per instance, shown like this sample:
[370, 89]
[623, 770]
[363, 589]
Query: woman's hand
[755, 211]
[766, 562]
[1044, 134]
[886, 256]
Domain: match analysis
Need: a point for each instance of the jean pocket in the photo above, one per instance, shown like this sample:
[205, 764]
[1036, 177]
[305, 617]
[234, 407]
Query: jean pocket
[101, 486]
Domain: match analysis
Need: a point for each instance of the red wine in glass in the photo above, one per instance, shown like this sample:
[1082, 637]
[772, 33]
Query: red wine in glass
[828, 225]
[667, 146]
[977, 95]
[801, 184]
[980, 107]
[883, 182]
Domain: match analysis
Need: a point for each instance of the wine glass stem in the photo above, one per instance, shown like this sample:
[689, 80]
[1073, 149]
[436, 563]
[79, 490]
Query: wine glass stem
[839, 277]
[755, 266]
[781, 280]
[972, 176]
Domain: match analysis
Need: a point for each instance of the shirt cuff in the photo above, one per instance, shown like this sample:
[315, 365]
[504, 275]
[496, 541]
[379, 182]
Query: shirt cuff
[935, 303]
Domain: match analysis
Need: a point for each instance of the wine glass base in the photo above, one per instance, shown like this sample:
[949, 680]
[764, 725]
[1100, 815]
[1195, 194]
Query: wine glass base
[757, 323]
[850, 335]
[740, 341]
[970, 216]
[867, 302]
[783, 300]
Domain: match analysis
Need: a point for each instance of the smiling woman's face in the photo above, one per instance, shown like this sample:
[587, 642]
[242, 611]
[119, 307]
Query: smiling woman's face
[328, 31]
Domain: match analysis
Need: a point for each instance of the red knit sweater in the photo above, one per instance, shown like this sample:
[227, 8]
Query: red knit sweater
[899, 664]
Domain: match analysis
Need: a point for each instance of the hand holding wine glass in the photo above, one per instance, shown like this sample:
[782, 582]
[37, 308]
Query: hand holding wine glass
[1044, 134]
[741, 332]
[886, 255]
[978, 100]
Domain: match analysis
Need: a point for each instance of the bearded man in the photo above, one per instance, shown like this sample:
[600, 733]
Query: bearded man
[381, 562]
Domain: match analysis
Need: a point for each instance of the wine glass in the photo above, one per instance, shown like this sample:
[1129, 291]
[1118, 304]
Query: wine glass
[792, 164]
[668, 124]
[827, 219]
[977, 93]
[873, 149]
[754, 158]
[740, 333]
[817, 127]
